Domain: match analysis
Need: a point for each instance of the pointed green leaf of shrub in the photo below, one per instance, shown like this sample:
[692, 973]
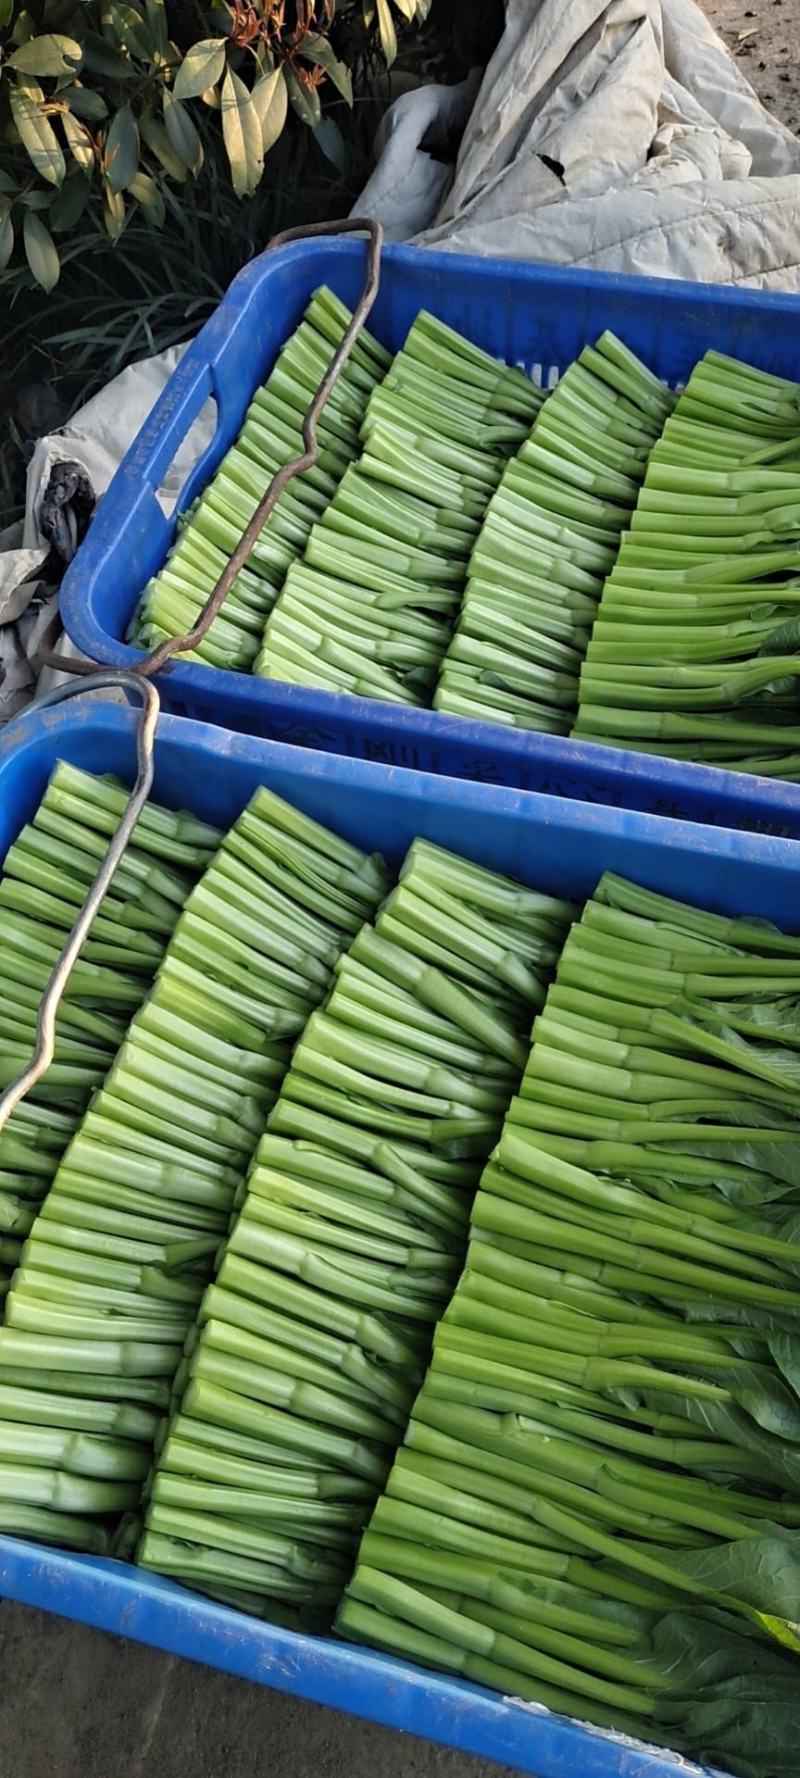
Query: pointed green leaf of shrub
[157, 19]
[386, 31]
[304, 100]
[241, 130]
[271, 101]
[158, 142]
[84, 102]
[79, 141]
[182, 133]
[6, 233]
[113, 212]
[147, 193]
[47, 56]
[132, 32]
[102, 58]
[40, 251]
[69, 203]
[122, 150]
[333, 145]
[317, 49]
[201, 68]
[36, 134]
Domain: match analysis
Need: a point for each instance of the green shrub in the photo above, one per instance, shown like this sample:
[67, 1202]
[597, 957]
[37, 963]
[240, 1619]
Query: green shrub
[109, 107]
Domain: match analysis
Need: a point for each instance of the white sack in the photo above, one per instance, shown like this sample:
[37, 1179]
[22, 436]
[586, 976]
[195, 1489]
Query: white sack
[97, 437]
[621, 136]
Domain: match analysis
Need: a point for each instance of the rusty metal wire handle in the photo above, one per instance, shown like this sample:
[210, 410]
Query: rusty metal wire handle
[137, 680]
[68, 957]
[308, 457]
[160, 656]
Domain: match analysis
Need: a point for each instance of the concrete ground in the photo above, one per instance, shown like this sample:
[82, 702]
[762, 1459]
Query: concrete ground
[75, 1704]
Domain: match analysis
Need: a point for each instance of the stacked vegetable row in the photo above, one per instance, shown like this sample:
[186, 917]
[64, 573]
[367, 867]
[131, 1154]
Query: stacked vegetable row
[370, 608]
[111, 1275]
[598, 1500]
[550, 536]
[315, 1334]
[47, 873]
[694, 652]
[270, 437]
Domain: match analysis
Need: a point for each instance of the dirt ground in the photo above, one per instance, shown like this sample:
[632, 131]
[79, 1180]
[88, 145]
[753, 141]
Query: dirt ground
[764, 36]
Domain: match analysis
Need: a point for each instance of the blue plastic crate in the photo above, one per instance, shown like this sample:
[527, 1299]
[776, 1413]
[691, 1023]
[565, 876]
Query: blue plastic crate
[535, 316]
[554, 843]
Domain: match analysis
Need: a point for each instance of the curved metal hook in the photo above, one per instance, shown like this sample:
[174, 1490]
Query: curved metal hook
[137, 679]
[57, 982]
[173, 645]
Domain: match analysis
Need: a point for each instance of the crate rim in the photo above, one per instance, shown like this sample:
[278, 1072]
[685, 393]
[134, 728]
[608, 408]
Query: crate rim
[470, 796]
[130, 1602]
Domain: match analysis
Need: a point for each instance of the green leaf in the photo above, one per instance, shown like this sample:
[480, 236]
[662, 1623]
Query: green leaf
[304, 100]
[113, 211]
[6, 9]
[386, 31]
[36, 200]
[763, 1572]
[157, 19]
[732, 1701]
[317, 49]
[785, 1349]
[182, 133]
[784, 640]
[40, 251]
[85, 103]
[333, 145]
[241, 131]
[24, 27]
[69, 204]
[125, 25]
[47, 56]
[102, 58]
[6, 234]
[122, 150]
[271, 102]
[147, 193]
[36, 134]
[202, 67]
[79, 141]
[158, 142]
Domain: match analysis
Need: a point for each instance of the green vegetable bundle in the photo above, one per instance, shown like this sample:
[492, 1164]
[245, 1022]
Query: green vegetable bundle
[550, 536]
[112, 1272]
[314, 1336]
[694, 651]
[370, 608]
[597, 1505]
[46, 875]
[270, 437]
